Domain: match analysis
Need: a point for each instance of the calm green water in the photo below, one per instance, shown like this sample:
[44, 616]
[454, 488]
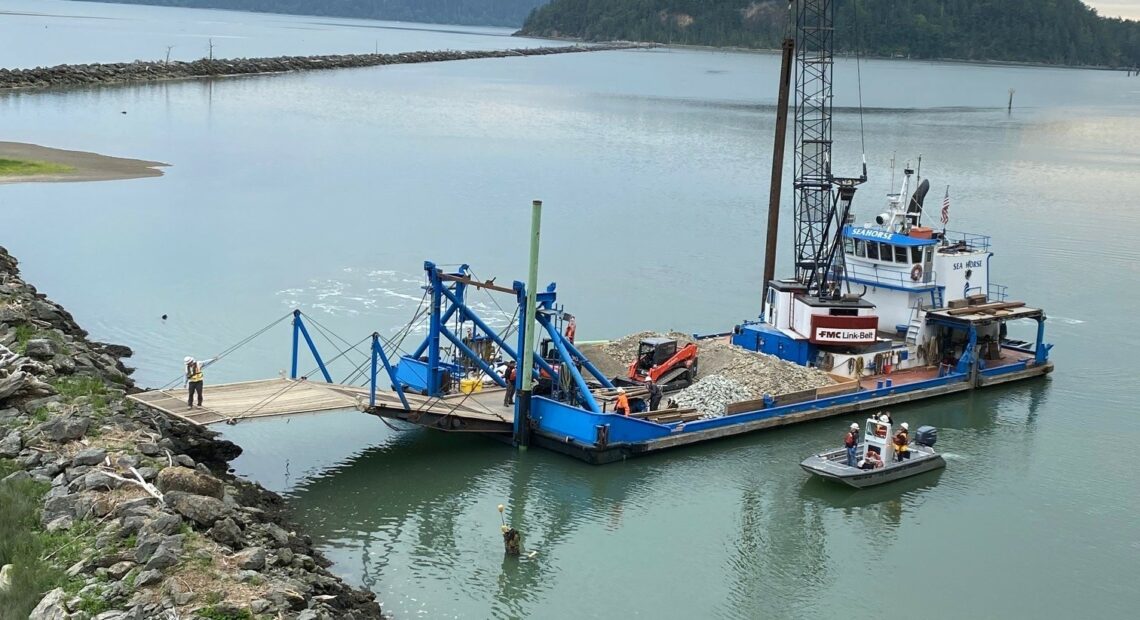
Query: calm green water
[327, 190]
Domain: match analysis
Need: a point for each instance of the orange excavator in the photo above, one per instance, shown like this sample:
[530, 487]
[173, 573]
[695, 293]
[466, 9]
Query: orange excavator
[661, 360]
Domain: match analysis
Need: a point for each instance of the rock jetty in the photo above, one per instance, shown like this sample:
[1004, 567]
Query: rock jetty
[62, 76]
[132, 514]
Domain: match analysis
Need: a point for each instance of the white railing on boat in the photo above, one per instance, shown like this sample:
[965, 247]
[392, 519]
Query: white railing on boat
[971, 241]
[890, 277]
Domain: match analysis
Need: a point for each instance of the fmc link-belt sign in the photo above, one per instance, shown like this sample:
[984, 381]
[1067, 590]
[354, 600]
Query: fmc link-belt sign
[843, 329]
[830, 334]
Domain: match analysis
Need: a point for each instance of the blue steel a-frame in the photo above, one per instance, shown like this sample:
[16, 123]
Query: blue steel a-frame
[548, 317]
[424, 369]
[299, 330]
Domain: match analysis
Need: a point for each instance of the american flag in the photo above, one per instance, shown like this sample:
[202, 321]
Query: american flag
[946, 207]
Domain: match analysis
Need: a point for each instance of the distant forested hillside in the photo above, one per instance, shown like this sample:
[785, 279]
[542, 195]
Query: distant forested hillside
[470, 12]
[1049, 31]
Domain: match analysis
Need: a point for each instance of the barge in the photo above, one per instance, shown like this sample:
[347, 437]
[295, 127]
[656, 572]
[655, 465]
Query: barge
[572, 413]
[894, 310]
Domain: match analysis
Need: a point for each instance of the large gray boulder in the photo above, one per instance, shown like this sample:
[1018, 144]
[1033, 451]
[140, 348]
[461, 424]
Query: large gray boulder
[65, 428]
[100, 480]
[189, 481]
[199, 508]
[51, 607]
[164, 557]
[165, 525]
[40, 349]
[56, 506]
[11, 445]
[90, 456]
[227, 533]
[250, 559]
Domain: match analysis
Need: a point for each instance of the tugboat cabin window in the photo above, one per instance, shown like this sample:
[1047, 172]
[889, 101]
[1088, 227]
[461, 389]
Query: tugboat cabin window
[860, 248]
[916, 255]
[873, 250]
[885, 252]
[848, 245]
[900, 254]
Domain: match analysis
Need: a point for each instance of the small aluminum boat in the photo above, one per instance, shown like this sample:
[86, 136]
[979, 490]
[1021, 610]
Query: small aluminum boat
[877, 438]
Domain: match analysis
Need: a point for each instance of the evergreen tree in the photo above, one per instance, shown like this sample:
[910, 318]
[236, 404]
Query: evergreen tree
[1047, 31]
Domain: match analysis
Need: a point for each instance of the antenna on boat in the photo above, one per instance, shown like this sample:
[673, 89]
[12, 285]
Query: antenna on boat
[918, 171]
[892, 185]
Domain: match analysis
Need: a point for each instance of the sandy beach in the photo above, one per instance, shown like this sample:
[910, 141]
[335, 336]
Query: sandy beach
[85, 166]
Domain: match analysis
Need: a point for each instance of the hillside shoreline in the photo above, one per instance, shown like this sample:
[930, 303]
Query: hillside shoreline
[112, 511]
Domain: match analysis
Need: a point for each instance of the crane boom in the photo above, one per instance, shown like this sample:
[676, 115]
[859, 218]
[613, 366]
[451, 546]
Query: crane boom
[818, 211]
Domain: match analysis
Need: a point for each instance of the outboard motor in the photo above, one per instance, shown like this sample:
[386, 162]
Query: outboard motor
[926, 436]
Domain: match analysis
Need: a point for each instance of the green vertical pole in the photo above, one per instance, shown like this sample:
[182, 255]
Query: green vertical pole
[528, 344]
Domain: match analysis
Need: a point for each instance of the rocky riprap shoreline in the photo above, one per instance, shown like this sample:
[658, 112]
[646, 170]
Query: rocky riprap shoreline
[137, 515]
[145, 71]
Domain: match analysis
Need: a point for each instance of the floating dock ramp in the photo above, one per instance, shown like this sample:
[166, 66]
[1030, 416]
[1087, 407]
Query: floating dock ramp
[247, 400]
[270, 398]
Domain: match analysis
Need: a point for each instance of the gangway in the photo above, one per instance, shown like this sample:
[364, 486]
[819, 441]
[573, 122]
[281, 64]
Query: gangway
[420, 388]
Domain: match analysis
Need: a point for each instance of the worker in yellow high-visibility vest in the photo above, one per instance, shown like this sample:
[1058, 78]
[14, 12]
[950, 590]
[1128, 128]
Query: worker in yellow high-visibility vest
[194, 379]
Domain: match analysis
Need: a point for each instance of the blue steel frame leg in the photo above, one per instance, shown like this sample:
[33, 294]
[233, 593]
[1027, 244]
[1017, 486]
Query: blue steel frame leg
[372, 381]
[1041, 351]
[312, 347]
[296, 337]
[568, 365]
[588, 364]
[967, 361]
[378, 352]
[433, 378]
[460, 290]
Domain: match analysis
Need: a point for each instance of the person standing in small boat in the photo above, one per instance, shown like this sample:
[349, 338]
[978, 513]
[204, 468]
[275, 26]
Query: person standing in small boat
[902, 443]
[851, 441]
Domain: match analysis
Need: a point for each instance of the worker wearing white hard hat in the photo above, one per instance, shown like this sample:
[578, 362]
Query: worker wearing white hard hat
[851, 442]
[195, 379]
[621, 405]
[902, 443]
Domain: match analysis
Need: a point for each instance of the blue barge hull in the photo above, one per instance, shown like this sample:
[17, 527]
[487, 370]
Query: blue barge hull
[601, 438]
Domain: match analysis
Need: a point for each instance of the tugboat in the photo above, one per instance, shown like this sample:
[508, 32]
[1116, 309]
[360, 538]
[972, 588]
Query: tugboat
[876, 462]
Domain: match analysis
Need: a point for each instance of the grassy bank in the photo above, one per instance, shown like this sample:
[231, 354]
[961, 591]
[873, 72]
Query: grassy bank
[27, 167]
[23, 544]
